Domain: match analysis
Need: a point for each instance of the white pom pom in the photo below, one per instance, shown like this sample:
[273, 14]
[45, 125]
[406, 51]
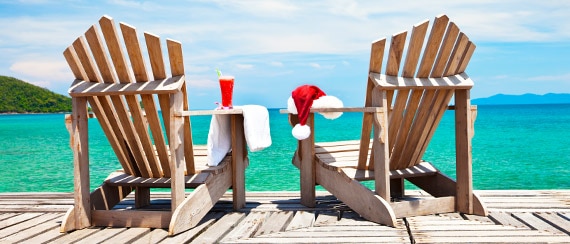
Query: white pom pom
[301, 132]
[291, 106]
[329, 102]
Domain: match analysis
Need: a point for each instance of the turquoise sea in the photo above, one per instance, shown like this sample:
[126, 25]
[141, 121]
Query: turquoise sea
[515, 147]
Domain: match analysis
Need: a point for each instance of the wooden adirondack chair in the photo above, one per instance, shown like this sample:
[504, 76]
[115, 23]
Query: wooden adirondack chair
[153, 153]
[403, 106]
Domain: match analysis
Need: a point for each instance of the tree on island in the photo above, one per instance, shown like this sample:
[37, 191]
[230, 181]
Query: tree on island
[17, 96]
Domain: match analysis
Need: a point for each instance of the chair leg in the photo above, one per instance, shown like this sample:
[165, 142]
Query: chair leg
[359, 198]
[440, 185]
[142, 197]
[196, 205]
[397, 188]
[105, 197]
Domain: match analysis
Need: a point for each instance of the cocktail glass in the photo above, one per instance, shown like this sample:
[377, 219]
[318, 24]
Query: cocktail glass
[227, 88]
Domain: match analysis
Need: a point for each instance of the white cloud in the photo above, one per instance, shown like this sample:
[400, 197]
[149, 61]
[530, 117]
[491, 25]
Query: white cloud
[254, 34]
[276, 64]
[244, 66]
[561, 77]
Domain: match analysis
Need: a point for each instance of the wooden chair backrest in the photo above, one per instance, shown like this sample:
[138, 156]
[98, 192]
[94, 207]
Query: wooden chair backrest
[415, 110]
[131, 123]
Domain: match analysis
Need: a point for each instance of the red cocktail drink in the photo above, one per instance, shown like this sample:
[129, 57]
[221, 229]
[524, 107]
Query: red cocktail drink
[227, 87]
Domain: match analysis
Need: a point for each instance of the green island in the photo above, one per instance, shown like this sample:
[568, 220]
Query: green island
[17, 96]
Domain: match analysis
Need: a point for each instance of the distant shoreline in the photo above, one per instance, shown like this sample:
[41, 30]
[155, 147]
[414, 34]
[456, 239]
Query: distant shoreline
[477, 104]
[12, 113]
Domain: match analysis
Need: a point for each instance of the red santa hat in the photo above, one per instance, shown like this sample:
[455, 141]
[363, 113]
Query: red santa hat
[305, 97]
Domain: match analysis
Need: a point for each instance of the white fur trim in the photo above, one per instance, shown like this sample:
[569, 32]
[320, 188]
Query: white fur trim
[291, 105]
[329, 102]
[301, 132]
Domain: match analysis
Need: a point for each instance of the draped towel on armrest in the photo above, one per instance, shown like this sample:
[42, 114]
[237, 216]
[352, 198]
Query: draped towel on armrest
[256, 130]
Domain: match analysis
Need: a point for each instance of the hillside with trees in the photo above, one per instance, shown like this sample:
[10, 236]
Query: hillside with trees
[17, 96]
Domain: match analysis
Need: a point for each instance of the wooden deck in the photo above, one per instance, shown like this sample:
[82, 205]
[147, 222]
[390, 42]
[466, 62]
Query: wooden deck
[277, 217]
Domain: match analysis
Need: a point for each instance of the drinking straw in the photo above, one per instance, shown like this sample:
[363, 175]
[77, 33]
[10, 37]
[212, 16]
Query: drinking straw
[218, 72]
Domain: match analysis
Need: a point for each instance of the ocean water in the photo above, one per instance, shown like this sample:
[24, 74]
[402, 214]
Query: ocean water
[515, 147]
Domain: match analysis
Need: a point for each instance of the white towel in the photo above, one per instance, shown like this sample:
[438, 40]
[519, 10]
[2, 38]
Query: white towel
[256, 127]
[256, 130]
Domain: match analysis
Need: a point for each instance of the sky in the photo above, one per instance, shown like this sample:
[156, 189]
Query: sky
[273, 46]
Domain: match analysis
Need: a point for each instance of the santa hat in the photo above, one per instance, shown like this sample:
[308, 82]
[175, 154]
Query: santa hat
[305, 97]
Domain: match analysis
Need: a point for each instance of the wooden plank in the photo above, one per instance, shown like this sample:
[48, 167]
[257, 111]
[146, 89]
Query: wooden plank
[456, 56]
[158, 71]
[204, 224]
[82, 88]
[275, 222]
[77, 235]
[306, 153]
[423, 207]
[105, 234]
[135, 218]
[151, 119]
[153, 236]
[132, 128]
[398, 142]
[48, 235]
[445, 50]
[506, 219]
[7, 215]
[535, 223]
[395, 53]
[439, 107]
[101, 106]
[247, 227]
[127, 236]
[463, 154]
[432, 46]
[32, 226]
[555, 221]
[456, 81]
[355, 195]
[495, 239]
[81, 216]
[239, 160]
[414, 49]
[220, 228]
[302, 219]
[375, 65]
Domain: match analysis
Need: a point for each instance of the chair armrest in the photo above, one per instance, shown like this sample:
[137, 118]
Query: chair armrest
[212, 112]
[346, 109]
[81, 88]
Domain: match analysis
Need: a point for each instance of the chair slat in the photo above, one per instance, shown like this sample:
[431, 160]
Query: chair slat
[466, 57]
[396, 53]
[456, 55]
[177, 68]
[131, 127]
[432, 46]
[101, 105]
[395, 56]
[403, 130]
[438, 110]
[416, 129]
[157, 64]
[414, 49]
[439, 103]
[445, 50]
[151, 120]
[109, 77]
[376, 58]
[159, 72]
